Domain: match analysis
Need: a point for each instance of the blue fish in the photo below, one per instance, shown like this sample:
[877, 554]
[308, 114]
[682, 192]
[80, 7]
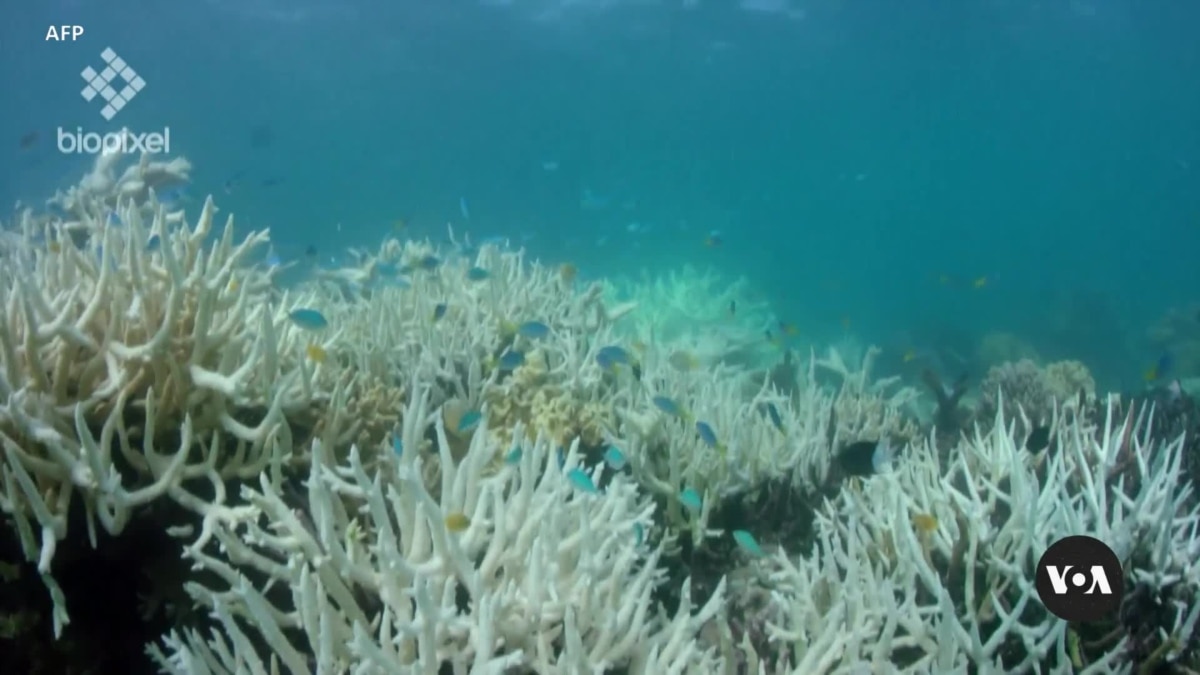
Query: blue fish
[691, 499]
[748, 543]
[773, 413]
[439, 311]
[429, 263]
[477, 274]
[308, 319]
[513, 456]
[462, 208]
[273, 259]
[561, 456]
[534, 330]
[709, 436]
[397, 445]
[469, 421]
[154, 243]
[615, 458]
[639, 534]
[114, 219]
[511, 360]
[667, 405]
[582, 481]
[612, 356]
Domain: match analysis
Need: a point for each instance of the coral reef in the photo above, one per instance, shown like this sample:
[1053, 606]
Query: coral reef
[402, 466]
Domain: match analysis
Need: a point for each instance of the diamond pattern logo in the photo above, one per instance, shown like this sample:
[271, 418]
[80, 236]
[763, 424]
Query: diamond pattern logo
[102, 83]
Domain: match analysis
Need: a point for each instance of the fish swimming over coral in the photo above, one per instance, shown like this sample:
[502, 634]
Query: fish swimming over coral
[866, 458]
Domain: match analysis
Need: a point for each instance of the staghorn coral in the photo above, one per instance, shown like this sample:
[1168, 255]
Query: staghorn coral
[319, 546]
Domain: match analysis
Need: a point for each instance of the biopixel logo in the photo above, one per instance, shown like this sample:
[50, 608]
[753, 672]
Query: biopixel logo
[1080, 578]
[116, 84]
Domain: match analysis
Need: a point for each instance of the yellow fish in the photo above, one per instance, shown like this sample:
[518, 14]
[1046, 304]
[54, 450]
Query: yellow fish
[315, 353]
[54, 247]
[683, 360]
[567, 272]
[233, 286]
[399, 224]
[925, 522]
[980, 282]
[457, 521]
[910, 355]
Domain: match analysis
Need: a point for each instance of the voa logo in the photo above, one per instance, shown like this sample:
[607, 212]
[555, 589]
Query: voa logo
[1080, 578]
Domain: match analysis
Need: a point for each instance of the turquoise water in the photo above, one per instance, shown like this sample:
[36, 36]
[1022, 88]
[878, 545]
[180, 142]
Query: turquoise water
[853, 155]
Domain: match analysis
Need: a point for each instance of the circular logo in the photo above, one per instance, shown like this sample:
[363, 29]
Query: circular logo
[1079, 578]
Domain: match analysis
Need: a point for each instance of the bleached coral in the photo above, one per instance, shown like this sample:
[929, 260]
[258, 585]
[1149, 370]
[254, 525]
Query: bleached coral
[1024, 387]
[718, 320]
[544, 577]
[882, 593]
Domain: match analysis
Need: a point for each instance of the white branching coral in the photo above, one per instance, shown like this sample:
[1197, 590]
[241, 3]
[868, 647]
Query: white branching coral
[885, 590]
[548, 578]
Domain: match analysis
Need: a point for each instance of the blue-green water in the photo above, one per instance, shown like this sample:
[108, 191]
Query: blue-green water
[850, 153]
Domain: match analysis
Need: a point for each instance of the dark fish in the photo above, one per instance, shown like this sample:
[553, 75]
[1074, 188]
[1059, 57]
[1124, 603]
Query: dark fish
[311, 251]
[947, 415]
[1039, 439]
[28, 140]
[865, 458]
[732, 307]
[271, 182]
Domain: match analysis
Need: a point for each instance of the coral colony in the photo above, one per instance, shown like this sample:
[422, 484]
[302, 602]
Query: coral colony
[455, 460]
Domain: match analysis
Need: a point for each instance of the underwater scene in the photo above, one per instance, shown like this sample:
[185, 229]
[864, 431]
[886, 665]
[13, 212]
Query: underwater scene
[823, 337]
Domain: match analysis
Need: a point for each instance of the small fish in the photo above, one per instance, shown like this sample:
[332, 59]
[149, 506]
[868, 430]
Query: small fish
[776, 420]
[511, 360]
[273, 259]
[1160, 369]
[924, 523]
[233, 286]
[114, 219]
[748, 543]
[788, 329]
[429, 262]
[438, 312]
[582, 481]
[560, 456]
[612, 356]
[463, 209]
[28, 140]
[308, 319]
[457, 521]
[469, 421]
[154, 243]
[691, 500]
[683, 361]
[980, 282]
[615, 458]
[709, 436]
[311, 251]
[910, 355]
[865, 458]
[639, 534]
[1175, 391]
[713, 239]
[733, 308]
[567, 272]
[315, 353]
[534, 330]
[399, 224]
[54, 247]
[514, 456]
[477, 274]
[668, 405]
[397, 445]
[1039, 439]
